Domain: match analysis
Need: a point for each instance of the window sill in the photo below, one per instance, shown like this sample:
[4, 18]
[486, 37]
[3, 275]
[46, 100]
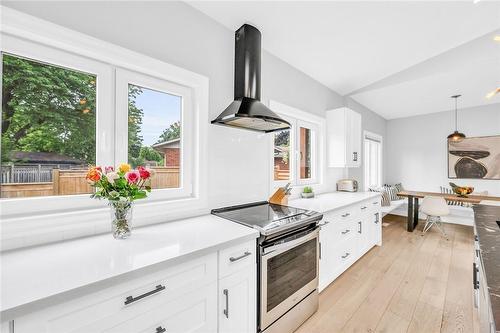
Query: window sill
[24, 231]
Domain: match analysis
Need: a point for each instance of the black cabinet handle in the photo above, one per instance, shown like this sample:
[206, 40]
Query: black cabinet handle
[346, 231]
[355, 156]
[345, 215]
[160, 329]
[246, 254]
[131, 299]
[376, 218]
[360, 230]
[346, 255]
[364, 207]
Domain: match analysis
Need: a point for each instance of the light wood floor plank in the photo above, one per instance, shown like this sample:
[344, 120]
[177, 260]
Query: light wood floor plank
[413, 283]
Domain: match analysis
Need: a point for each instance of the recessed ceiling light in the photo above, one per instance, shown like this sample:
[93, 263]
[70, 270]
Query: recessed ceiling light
[493, 93]
[475, 1]
[496, 38]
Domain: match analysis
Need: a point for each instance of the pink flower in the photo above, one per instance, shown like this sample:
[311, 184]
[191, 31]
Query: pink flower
[143, 172]
[109, 169]
[133, 176]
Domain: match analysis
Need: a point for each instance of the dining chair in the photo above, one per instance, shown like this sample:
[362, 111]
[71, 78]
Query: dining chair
[434, 208]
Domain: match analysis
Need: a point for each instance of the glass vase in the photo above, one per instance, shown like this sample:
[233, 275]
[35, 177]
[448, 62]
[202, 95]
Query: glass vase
[121, 218]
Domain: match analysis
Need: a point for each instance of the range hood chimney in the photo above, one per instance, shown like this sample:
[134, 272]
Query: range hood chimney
[246, 111]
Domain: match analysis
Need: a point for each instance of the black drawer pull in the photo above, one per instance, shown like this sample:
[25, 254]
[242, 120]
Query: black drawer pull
[346, 231]
[131, 299]
[246, 254]
[160, 329]
[364, 207]
[346, 255]
[345, 215]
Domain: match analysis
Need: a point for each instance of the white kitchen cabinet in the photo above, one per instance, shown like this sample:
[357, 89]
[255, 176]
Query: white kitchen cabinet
[186, 297]
[237, 302]
[345, 236]
[327, 245]
[187, 289]
[343, 127]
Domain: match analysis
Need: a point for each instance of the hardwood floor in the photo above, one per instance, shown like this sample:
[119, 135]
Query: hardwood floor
[410, 284]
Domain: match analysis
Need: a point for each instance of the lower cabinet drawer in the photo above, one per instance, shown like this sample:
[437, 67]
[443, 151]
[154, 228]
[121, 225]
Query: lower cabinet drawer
[105, 309]
[237, 257]
[346, 253]
[193, 312]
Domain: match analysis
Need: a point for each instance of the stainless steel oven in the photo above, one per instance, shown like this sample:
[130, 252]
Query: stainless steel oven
[288, 276]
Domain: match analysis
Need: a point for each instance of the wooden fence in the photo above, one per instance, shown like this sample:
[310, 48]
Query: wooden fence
[68, 182]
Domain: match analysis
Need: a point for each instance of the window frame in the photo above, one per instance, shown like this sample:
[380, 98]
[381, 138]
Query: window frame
[297, 119]
[369, 136]
[314, 128]
[104, 119]
[37, 220]
[123, 79]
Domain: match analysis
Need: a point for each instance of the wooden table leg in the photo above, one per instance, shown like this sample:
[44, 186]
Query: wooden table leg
[410, 214]
[415, 213]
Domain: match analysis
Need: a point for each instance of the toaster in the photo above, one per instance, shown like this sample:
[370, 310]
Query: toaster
[347, 185]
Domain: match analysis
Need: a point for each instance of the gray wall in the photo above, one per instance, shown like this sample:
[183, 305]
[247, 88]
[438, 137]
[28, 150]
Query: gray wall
[178, 34]
[417, 147]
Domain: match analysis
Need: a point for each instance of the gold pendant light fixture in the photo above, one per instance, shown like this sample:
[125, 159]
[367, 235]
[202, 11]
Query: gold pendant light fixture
[456, 136]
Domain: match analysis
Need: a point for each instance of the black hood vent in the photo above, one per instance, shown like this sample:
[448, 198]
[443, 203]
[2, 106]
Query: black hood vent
[246, 111]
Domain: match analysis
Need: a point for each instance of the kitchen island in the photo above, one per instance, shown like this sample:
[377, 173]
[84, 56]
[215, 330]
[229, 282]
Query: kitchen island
[487, 266]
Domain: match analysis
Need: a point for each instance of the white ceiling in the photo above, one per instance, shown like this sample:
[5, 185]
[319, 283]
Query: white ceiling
[397, 58]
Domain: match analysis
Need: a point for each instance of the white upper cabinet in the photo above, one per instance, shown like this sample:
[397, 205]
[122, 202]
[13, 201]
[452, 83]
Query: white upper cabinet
[343, 127]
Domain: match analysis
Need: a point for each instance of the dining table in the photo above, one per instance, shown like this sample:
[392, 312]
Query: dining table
[414, 196]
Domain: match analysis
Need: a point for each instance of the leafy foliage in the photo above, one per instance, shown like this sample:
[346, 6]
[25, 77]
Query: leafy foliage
[171, 133]
[47, 109]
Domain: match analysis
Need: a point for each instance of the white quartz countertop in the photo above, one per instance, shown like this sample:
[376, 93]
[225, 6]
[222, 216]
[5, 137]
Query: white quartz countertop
[330, 201]
[38, 273]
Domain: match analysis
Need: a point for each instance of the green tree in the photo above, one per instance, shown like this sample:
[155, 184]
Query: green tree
[171, 133]
[134, 126]
[47, 108]
[149, 154]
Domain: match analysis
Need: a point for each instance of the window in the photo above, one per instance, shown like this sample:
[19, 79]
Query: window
[373, 160]
[282, 161]
[48, 128]
[182, 98]
[295, 151]
[157, 118]
[154, 130]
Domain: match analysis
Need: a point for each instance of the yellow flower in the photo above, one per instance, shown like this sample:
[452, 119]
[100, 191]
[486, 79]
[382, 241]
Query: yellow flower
[124, 167]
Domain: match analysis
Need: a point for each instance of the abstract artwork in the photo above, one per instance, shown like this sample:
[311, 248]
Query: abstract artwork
[477, 158]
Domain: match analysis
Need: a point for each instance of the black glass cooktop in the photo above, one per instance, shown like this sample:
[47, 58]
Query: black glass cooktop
[263, 215]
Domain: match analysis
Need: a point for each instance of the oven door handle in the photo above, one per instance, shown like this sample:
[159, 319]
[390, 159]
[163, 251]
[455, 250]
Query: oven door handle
[290, 244]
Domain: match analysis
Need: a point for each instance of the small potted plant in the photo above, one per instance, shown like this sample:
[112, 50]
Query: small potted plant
[307, 192]
[121, 188]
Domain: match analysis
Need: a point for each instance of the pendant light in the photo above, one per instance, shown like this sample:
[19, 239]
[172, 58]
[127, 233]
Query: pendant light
[456, 136]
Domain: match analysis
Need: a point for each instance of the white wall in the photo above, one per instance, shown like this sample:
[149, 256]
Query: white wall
[416, 150]
[178, 34]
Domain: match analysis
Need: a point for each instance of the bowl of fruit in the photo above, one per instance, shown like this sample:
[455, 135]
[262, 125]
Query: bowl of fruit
[462, 191]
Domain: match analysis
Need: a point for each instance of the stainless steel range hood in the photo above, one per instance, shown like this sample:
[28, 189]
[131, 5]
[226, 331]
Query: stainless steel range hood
[246, 111]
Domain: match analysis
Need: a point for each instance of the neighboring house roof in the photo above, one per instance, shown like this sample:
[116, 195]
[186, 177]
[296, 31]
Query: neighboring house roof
[43, 158]
[167, 144]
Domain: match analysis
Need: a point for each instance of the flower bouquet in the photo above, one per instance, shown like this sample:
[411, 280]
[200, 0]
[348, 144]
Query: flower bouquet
[121, 188]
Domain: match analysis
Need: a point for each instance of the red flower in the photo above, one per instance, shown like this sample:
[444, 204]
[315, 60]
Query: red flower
[132, 177]
[143, 172]
[94, 174]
